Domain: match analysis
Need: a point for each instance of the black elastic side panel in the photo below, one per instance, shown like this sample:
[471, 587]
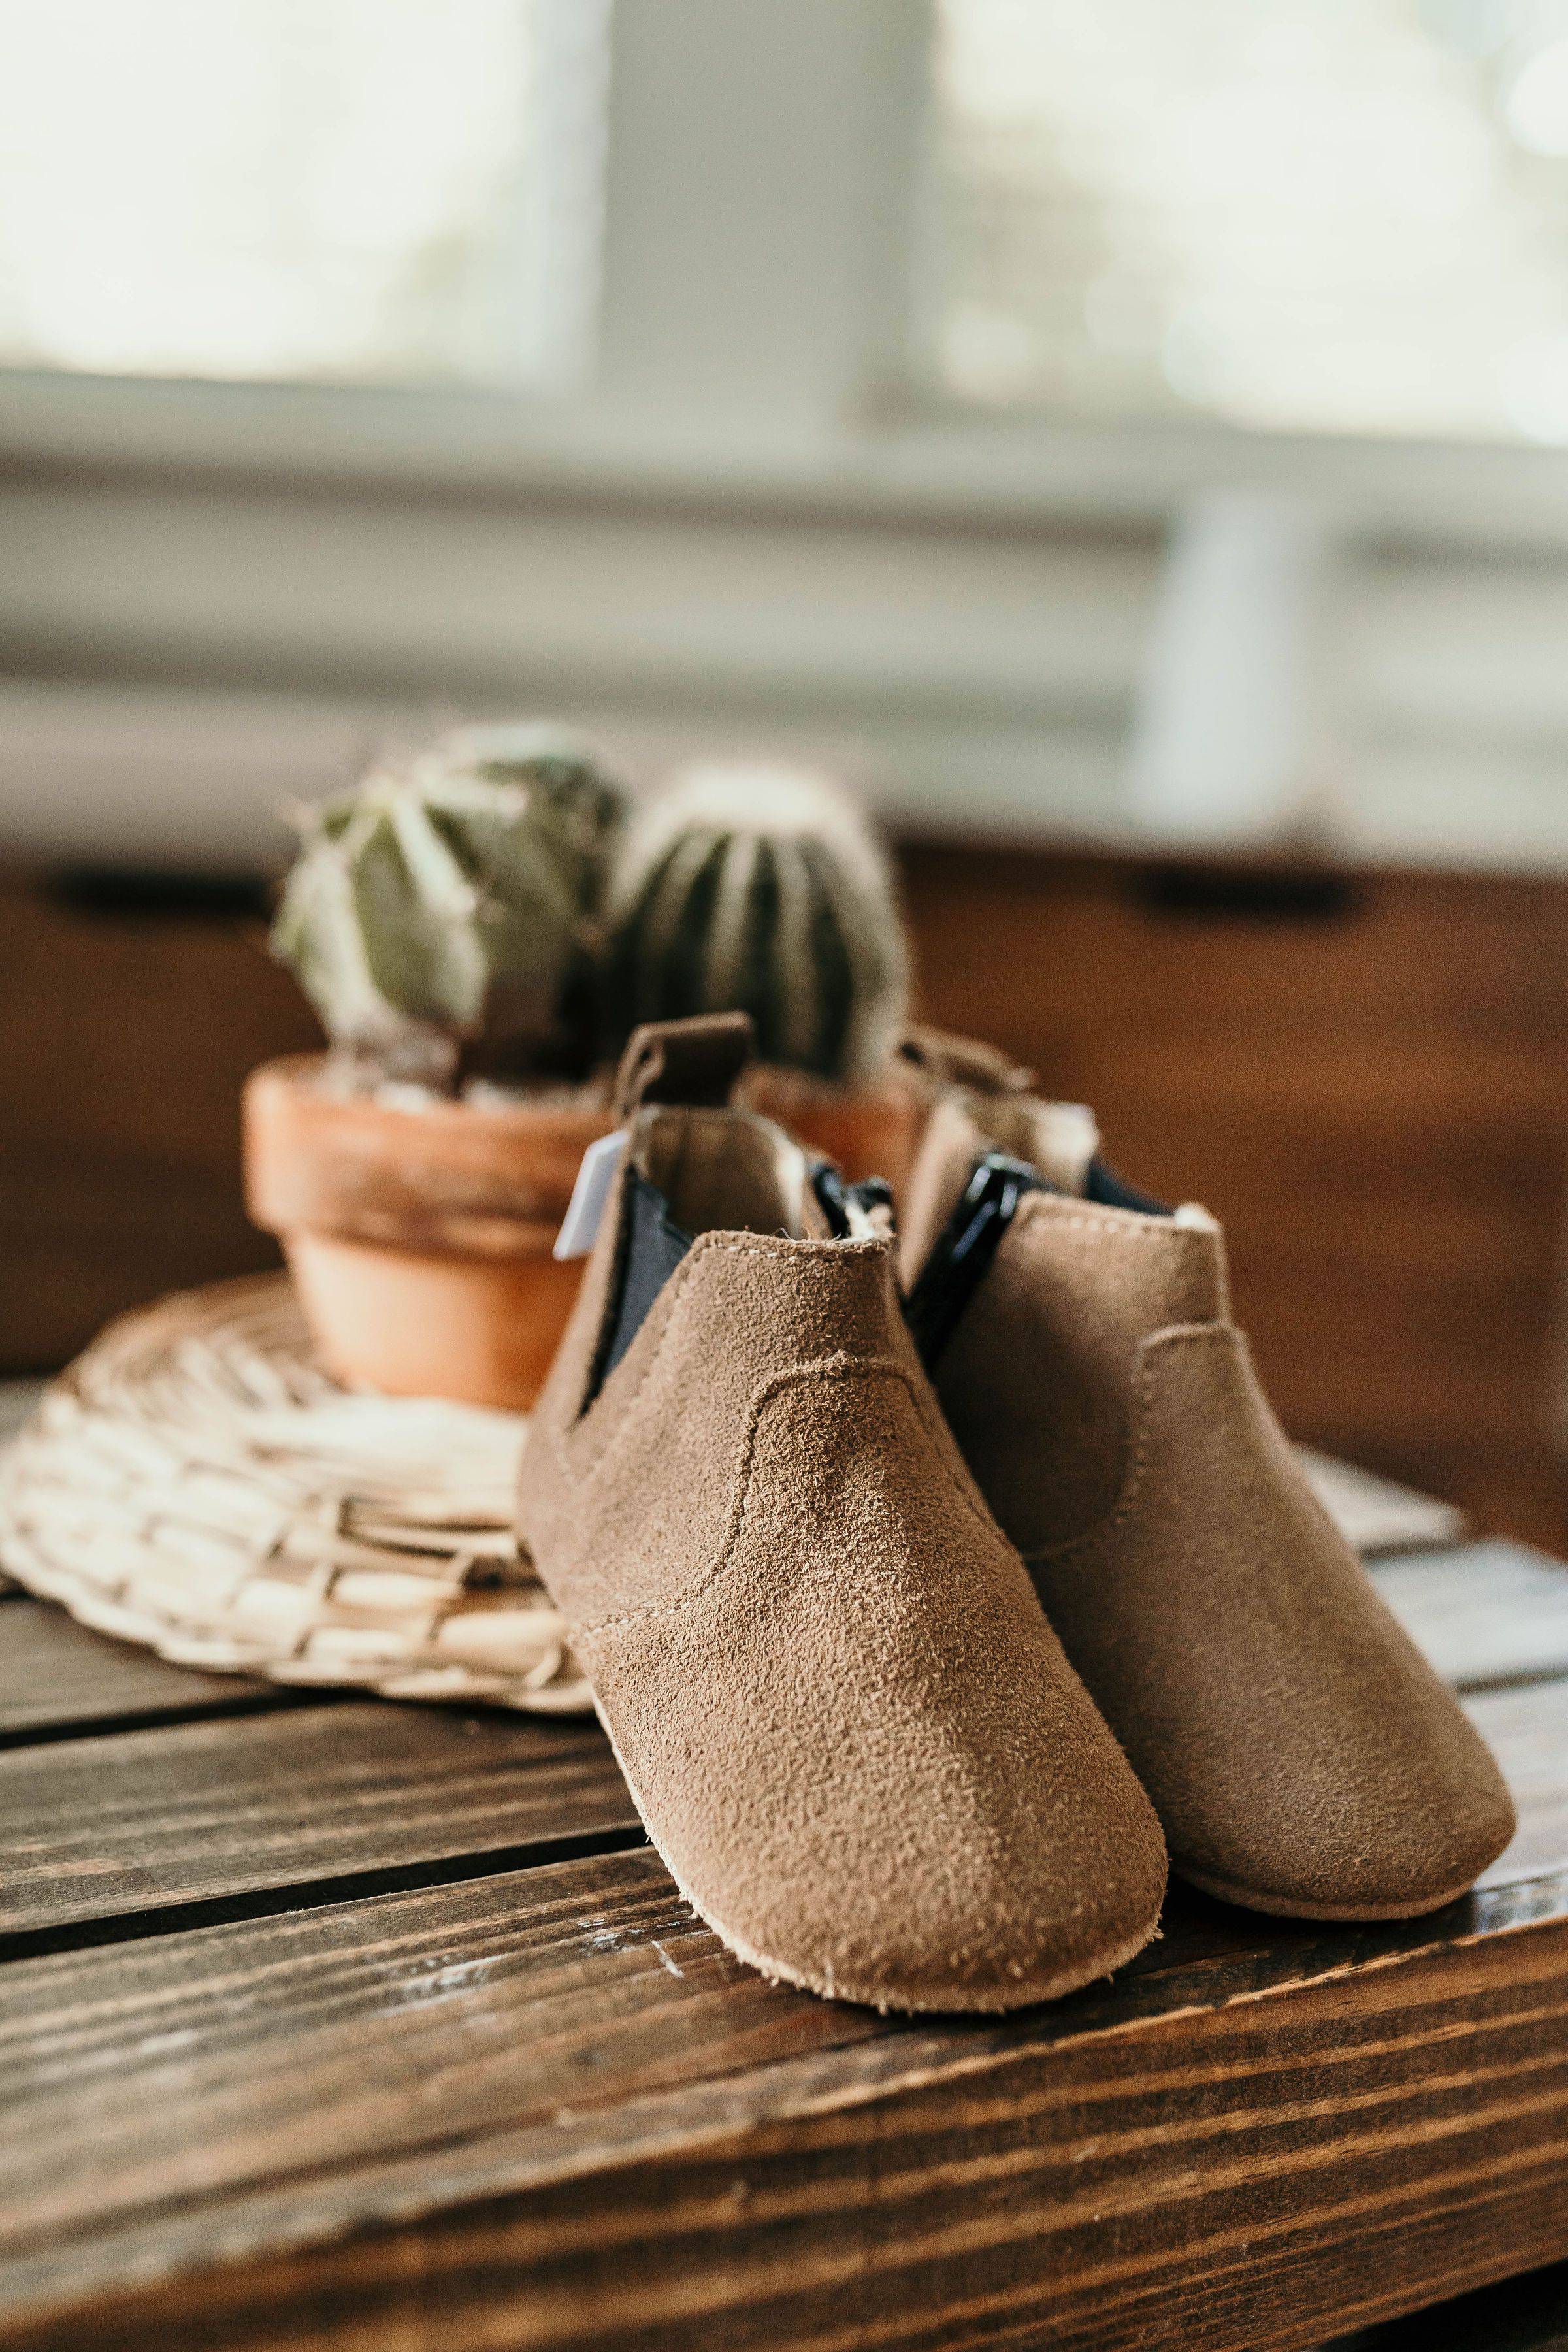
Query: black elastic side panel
[652, 1246]
[1107, 1189]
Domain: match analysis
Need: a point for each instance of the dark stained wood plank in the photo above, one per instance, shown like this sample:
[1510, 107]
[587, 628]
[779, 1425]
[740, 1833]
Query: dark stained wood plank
[109, 1828]
[549, 2110]
[279, 2083]
[546, 2000]
[412, 2025]
[55, 1672]
[127, 1822]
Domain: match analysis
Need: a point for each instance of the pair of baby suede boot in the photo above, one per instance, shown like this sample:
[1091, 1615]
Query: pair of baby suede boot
[932, 1587]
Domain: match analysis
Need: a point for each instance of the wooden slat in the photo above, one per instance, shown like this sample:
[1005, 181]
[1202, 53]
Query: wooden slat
[1375, 1515]
[1265, 2113]
[1245, 2091]
[551, 2002]
[118, 1826]
[534, 2001]
[58, 1673]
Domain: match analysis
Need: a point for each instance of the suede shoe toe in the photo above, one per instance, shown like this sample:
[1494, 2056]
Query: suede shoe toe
[853, 1737]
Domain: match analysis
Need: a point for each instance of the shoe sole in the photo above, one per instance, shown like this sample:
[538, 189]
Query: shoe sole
[965, 1998]
[1280, 1906]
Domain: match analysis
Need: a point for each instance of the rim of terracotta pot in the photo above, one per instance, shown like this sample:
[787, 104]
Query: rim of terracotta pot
[487, 1178]
[459, 1177]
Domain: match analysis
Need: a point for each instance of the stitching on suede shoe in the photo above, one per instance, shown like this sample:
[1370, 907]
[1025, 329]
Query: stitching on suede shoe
[1175, 1335]
[831, 1370]
[710, 1244]
[1094, 1217]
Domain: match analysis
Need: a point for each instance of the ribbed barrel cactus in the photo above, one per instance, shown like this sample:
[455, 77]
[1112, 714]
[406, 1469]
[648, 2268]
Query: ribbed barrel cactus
[762, 890]
[569, 795]
[437, 916]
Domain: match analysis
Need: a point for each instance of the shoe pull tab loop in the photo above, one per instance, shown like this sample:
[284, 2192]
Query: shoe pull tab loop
[950, 1061]
[694, 1062]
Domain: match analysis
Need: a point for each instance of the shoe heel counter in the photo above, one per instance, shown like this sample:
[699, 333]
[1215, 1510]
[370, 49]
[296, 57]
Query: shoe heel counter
[1037, 1381]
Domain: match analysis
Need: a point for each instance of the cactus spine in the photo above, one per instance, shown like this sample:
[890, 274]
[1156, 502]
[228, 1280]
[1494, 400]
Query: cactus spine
[759, 890]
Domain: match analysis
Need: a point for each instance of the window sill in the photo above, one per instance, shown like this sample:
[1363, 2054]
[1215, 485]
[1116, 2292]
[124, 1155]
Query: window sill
[955, 614]
[895, 461]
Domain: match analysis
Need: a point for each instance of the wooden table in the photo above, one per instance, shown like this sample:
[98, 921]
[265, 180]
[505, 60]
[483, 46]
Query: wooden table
[345, 2024]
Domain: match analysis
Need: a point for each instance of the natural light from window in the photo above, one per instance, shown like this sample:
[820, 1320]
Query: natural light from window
[1341, 216]
[359, 191]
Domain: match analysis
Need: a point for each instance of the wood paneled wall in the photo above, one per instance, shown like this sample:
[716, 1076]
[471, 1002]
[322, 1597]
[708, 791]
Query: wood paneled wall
[126, 1027]
[1364, 1076]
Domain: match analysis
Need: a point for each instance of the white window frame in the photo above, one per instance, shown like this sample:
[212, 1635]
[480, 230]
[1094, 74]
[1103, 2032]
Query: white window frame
[751, 437]
[755, 332]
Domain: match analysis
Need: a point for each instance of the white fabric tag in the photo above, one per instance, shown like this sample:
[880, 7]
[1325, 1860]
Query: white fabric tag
[586, 1209]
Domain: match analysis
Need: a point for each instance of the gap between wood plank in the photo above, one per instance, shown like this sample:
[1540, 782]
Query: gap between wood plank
[276, 1701]
[123, 1826]
[311, 1894]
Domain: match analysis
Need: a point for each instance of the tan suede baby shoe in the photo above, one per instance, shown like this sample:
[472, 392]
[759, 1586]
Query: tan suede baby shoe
[851, 1734]
[1301, 1755]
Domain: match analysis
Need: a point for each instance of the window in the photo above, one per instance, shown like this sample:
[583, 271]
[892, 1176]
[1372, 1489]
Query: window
[729, 364]
[359, 191]
[1321, 215]
[1330, 216]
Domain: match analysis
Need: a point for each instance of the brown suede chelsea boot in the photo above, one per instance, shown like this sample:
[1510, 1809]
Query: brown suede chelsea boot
[852, 1736]
[1301, 1755]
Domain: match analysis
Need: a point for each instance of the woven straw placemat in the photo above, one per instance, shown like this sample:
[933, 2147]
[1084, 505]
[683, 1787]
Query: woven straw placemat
[196, 1483]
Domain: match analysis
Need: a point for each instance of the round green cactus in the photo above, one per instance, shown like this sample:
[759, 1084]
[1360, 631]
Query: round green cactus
[437, 916]
[761, 890]
[570, 795]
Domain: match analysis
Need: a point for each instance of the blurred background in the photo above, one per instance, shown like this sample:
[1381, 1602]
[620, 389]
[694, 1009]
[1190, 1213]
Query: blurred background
[1126, 438]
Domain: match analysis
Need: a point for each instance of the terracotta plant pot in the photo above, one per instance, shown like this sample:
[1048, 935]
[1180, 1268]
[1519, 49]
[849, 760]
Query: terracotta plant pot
[420, 1237]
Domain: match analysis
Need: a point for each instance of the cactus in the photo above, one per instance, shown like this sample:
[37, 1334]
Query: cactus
[436, 916]
[570, 795]
[762, 890]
